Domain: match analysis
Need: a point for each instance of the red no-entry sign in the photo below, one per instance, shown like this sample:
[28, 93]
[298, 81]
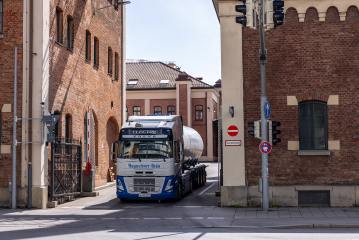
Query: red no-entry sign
[232, 130]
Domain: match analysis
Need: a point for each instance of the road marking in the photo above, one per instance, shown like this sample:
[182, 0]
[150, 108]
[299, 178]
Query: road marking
[151, 218]
[196, 218]
[129, 218]
[216, 218]
[109, 218]
[206, 189]
[173, 218]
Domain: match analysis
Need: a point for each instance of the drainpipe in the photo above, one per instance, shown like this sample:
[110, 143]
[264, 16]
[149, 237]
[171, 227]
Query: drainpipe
[123, 62]
[25, 161]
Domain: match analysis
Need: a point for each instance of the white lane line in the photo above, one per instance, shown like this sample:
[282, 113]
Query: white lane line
[196, 218]
[215, 218]
[109, 218]
[173, 218]
[129, 218]
[151, 218]
[206, 189]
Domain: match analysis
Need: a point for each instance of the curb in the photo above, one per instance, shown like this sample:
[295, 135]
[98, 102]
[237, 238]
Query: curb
[294, 226]
[315, 225]
[108, 185]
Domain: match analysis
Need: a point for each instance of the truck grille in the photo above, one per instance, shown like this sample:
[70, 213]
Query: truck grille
[144, 185]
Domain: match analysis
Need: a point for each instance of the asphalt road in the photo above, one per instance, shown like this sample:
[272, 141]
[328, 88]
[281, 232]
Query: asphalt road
[194, 217]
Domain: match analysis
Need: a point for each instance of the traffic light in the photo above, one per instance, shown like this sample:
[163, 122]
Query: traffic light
[278, 12]
[242, 8]
[254, 129]
[274, 132]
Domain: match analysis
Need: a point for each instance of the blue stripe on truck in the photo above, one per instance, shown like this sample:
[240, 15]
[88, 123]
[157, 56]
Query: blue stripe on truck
[164, 195]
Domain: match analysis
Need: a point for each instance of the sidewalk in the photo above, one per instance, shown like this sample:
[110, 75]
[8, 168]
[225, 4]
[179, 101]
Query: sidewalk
[297, 218]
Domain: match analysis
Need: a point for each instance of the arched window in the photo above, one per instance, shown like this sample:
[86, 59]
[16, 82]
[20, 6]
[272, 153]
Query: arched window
[313, 125]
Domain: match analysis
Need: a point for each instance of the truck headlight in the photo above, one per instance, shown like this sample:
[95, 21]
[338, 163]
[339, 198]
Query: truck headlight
[169, 185]
[120, 187]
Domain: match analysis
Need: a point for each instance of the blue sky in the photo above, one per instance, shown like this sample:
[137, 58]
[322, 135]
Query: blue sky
[182, 31]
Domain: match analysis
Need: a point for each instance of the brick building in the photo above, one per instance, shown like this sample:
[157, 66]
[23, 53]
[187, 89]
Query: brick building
[163, 89]
[70, 58]
[312, 75]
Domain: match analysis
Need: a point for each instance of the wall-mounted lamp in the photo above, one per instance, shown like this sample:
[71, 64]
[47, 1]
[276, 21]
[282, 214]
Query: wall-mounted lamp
[231, 111]
[116, 3]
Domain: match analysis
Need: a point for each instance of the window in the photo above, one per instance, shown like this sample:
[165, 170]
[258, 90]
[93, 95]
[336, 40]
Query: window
[68, 127]
[117, 66]
[88, 46]
[199, 112]
[110, 61]
[70, 33]
[313, 125]
[136, 111]
[157, 110]
[96, 52]
[1, 16]
[171, 110]
[132, 82]
[57, 130]
[59, 26]
[164, 81]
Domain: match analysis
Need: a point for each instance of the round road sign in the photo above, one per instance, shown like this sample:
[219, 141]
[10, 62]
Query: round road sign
[233, 130]
[265, 147]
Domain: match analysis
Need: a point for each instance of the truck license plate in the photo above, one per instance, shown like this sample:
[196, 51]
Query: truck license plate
[144, 195]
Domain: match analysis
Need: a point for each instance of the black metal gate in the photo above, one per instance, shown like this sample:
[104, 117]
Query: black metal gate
[65, 170]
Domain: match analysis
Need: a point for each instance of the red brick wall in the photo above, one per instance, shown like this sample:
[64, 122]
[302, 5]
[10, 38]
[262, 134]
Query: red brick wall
[163, 103]
[135, 102]
[76, 86]
[200, 125]
[11, 37]
[310, 60]
[183, 103]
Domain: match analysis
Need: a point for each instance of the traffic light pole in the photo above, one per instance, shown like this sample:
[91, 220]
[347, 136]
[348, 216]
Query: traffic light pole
[264, 99]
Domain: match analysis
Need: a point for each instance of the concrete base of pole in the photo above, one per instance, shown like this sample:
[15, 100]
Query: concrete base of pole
[39, 197]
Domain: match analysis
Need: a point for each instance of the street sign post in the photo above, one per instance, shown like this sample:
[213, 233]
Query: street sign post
[267, 110]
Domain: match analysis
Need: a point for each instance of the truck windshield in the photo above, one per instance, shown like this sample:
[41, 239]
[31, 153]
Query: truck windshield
[146, 149]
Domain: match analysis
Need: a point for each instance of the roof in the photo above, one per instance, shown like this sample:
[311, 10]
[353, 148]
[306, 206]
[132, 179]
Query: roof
[151, 121]
[150, 74]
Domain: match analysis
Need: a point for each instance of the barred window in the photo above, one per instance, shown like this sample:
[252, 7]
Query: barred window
[136, 111]
[199, 112]
[88, 46]
[70, 33]
[313, 125]
[59, 26]
[1, 16]
[171, 110]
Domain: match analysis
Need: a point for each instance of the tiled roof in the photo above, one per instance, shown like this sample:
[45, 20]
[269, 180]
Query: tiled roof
[150, 74]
